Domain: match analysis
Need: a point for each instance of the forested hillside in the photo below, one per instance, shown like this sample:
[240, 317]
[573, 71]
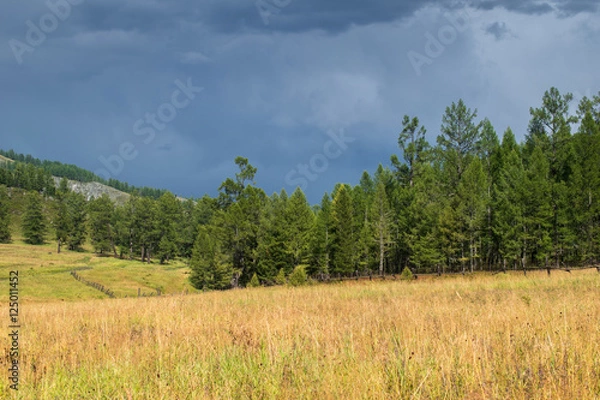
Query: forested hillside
[470, 201]
[26, 166]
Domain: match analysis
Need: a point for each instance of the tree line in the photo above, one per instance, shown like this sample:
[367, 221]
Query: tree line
[471, 201]
[16, 174]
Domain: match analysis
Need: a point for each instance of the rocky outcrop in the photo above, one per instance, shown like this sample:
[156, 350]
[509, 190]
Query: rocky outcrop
[92, 190]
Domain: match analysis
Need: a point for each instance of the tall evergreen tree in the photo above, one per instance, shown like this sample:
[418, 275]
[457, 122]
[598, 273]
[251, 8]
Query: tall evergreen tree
[34, 222]
[62, 223]
[509, 202]
[585, 184]
[460, 138]
[382, 223]
[102, 233]
[210, 270]
[273, 250]
[550, 131]
[414, 148]
[169, 215]
[321, 239]
[299, 219]
[537, 215]
[473, 194]
[343, 233]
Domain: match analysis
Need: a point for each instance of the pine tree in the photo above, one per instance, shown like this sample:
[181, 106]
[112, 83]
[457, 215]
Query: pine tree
[550, 131]
[169, 215]
[422, 231]
[509, 202]
[101, 212]
[343, 235]
[321, 239]
[538, 212]
[414, 148]
[299, 220]
[382, 223]
[210, 270]
[585, 185]
[145, 228]
[361, 200]
[5, 235]
[34, 220]
[62, 223]
[127, 235]
[490, 154]
[459, 140]
[472, 192]
[273, 251]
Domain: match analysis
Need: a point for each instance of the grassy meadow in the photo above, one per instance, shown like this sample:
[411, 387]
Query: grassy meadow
[506, 336]
[45, 274]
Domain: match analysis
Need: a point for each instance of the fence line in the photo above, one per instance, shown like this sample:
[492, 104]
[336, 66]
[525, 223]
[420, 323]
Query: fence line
[91, 284]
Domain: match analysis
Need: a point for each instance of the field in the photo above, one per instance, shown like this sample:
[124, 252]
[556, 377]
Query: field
[45, 275]
[473, 337]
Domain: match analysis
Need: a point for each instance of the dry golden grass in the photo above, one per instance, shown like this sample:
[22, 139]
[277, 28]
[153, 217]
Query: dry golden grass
[496, 337]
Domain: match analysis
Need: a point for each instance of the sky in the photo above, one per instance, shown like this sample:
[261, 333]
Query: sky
[167, 93]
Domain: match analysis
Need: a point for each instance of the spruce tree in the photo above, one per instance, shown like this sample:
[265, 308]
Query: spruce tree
[538, 210]
[76, 206]
[422, 232]
[62, 223]
[459, 140]
[299, 223]
[321, 239]
[382, 223]
[34, 220]
[343, 234]
[509, 203]
[210, 270]
[473, 195]
[273, 250]
[102, 232]
[585, 187]
[550, 131]
[169, 215]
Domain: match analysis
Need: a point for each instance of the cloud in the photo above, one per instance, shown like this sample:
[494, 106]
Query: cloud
[271, 91]
[499, 30]
[194, 57]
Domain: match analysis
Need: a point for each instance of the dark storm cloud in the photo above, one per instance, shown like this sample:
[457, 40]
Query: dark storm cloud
[231, 16]
[269, 97]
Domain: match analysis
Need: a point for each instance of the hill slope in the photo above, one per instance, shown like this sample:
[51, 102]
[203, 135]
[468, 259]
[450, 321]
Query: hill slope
[95, 189]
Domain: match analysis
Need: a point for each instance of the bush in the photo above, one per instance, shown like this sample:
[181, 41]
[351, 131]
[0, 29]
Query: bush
[407, 274]
[254, 282]
[298, 277]
[280, 278]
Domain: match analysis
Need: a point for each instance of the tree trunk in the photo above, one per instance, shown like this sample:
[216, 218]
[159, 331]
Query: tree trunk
[58, 246]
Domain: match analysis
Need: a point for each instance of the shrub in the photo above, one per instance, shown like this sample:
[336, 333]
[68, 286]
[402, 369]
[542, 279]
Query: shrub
[298, 276]
[407, 274]
[254, 282]
[280, 278]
